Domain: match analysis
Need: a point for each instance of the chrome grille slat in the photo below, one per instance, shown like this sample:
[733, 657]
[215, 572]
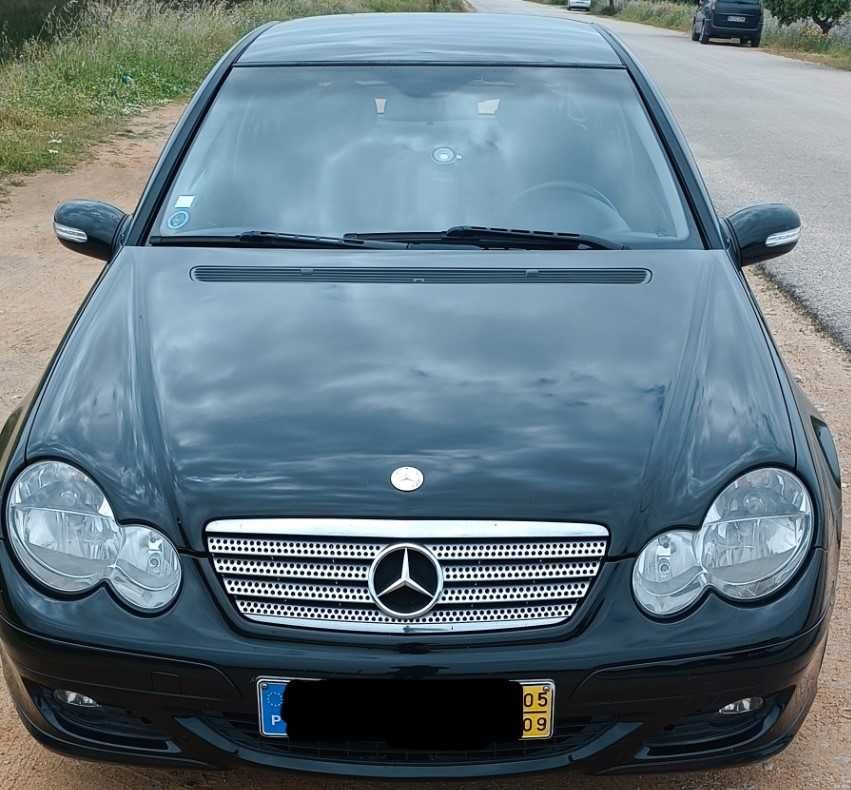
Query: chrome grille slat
[295, 570]
[462, 550]
[271, 547]
[303, 592]
[496, 575]
[343, 594]
[517, 551]
[435, 617]
[466, 572]
[514, 593]
[520, 571]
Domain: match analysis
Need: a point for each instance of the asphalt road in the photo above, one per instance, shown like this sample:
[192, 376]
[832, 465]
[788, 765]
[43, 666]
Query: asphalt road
[764, 129]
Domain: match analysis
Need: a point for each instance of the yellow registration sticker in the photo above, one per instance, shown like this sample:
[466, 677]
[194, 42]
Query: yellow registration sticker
[538, 702]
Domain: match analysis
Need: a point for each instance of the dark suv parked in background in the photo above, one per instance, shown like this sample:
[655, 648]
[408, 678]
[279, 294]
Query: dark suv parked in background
[741, 19]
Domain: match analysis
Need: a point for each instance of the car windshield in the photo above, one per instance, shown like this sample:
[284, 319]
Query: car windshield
[331, 150]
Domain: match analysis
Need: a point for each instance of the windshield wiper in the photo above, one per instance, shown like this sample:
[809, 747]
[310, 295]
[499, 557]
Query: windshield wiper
[496, 238]
[265, 238]
[462, 235]
[534, 238]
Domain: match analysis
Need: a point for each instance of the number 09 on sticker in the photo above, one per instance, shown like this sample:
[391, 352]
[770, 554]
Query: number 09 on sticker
[538, 702]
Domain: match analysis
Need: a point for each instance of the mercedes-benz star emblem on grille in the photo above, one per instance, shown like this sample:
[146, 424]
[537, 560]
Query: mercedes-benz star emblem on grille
[406, 478]
[405, 580]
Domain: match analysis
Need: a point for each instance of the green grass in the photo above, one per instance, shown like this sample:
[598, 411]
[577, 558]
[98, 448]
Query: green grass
[57, 98]
[806, 43]
[801, 41]
[675, 16]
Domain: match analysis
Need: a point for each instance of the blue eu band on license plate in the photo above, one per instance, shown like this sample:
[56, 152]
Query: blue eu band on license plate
[270, 700]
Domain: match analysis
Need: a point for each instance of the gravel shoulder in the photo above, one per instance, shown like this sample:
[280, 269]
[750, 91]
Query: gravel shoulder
[42, 285]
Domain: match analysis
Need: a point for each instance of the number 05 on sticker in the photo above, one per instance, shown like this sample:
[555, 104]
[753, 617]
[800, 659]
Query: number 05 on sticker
[538, 703]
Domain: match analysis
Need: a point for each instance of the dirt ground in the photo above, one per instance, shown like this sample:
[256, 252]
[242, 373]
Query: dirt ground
[41, 286]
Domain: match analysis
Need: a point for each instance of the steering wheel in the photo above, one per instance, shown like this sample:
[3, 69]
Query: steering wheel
[572, 186]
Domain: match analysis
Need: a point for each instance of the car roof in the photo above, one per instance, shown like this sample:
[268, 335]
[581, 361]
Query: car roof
[497, 39]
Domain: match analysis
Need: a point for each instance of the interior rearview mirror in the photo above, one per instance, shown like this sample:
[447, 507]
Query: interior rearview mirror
[765, 231]
[89, 227]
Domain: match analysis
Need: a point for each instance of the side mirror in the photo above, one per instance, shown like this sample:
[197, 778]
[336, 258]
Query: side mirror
[765, 231]
[88, 227]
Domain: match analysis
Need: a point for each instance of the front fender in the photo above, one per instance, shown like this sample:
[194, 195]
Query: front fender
[11, 445]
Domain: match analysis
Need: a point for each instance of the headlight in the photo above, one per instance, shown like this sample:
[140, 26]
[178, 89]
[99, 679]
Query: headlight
[753, 540]
[62, 530]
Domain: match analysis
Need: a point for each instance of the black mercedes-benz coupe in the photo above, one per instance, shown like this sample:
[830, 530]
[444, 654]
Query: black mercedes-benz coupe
[421, 424]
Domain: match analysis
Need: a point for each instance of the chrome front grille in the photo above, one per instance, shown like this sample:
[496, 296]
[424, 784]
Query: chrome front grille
[495, 575]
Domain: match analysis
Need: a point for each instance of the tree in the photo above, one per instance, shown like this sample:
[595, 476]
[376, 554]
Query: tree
[825, 13]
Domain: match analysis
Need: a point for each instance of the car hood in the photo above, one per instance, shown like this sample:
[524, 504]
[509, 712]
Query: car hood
[626, 389]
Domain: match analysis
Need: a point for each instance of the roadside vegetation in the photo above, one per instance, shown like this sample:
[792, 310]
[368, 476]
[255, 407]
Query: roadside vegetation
[57, 96]
[800, 36]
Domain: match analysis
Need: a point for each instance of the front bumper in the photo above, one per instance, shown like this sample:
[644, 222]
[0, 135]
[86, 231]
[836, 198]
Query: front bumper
[179, 689]
[649, 717]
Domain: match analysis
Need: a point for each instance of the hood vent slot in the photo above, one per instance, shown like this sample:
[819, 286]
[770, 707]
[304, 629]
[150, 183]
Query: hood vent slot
[425, 275]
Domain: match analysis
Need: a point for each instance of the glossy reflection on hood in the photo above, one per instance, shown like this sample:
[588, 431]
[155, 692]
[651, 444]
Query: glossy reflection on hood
[627, 405]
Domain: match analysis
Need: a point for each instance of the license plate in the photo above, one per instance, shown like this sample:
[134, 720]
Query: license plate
[538, 699]
[737, 19]
[535, 713]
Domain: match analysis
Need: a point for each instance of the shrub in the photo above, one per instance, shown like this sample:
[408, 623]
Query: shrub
[676, 16]
[824, 13]
[799, 39]
[57, 96]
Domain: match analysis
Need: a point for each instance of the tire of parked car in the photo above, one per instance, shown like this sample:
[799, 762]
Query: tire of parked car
[694, 33]
[755, 41]
[704, 34]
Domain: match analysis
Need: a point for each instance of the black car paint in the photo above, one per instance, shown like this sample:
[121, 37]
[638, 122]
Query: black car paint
[713, 401]
[196, 430]
[750, 228]
[712, 20]
[423, 38]
[103, 224]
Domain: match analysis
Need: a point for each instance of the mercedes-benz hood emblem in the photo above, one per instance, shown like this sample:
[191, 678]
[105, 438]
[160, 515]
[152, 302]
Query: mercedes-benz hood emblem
[406, 478]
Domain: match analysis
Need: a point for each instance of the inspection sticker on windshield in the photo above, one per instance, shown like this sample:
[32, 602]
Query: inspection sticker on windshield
[184, 201]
